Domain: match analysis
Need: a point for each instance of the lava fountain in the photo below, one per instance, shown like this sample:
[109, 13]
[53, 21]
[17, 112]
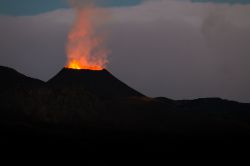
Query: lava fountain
[85, 46]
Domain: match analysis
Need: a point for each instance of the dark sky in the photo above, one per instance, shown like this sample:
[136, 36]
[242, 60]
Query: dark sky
[180, 49]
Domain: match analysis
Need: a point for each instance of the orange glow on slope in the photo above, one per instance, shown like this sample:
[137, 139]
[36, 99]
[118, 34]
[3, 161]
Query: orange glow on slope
[85, 48]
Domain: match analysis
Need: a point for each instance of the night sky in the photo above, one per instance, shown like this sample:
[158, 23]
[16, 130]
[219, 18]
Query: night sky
[180, 49]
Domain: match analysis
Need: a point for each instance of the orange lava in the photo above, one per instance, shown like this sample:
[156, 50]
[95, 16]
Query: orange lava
[76, 65]
[85, 48]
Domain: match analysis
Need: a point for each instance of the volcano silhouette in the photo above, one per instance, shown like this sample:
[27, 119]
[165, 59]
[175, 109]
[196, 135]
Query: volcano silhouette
[100, 83]
[93, 110]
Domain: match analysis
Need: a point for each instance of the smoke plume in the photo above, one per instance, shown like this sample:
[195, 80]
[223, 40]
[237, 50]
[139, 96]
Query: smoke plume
[85, 46]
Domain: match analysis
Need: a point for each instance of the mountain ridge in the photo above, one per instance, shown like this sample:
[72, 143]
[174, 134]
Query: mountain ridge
[13, 78]
[71, 108]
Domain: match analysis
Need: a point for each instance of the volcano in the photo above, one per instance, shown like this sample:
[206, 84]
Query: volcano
[94, 110]
[98, 82]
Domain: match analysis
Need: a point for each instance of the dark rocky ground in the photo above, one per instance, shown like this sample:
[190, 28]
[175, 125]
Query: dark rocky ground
[95, 112]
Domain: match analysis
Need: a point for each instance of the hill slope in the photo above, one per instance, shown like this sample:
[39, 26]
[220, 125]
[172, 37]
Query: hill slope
[101, 83]
[94, 110]
[10, 78]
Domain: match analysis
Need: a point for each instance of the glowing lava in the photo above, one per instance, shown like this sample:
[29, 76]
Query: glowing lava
[85, 48]
[75, 65]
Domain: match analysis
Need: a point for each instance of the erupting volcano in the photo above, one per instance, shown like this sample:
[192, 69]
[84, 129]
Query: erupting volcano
[87, 57]
[100, 83]
[85, 47]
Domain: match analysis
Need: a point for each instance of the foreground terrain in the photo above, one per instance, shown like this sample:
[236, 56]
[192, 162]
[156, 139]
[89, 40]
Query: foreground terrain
[95, 112]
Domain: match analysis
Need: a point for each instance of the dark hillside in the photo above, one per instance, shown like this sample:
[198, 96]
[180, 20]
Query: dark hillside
[94, 111]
